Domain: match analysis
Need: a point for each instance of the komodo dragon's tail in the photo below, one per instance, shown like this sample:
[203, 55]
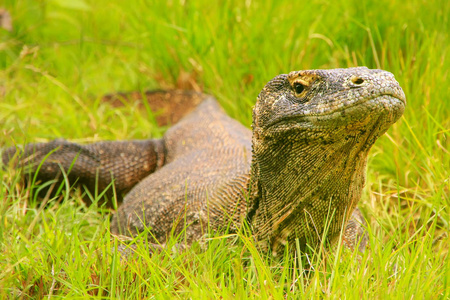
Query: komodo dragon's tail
[95, 166]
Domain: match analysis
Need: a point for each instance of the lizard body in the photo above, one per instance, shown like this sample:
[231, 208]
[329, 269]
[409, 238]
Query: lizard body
[297, 175]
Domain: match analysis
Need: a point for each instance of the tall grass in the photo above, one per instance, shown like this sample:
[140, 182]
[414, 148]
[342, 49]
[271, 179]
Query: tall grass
[62, 55]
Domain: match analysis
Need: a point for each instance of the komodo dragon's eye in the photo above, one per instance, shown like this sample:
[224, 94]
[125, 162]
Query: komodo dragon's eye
[298, 87]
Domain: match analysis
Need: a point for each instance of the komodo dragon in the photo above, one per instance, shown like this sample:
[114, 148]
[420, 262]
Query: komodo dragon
[303, 166]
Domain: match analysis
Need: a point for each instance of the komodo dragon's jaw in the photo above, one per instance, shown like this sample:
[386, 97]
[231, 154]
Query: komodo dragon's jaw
[312, 131]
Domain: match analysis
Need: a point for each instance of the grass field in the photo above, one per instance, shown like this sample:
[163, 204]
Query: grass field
[63, 55]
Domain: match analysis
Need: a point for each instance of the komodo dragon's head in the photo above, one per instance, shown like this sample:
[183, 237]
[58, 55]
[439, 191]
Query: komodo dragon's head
[312, 131]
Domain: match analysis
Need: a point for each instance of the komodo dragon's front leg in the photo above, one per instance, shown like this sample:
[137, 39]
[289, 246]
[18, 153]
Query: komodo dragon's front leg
[94, 166]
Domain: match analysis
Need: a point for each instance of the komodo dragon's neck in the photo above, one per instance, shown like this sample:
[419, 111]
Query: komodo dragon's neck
[312, 131]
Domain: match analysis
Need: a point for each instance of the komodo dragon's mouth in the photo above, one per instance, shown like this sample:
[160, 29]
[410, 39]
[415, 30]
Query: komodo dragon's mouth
[391, 102]
[362, 102]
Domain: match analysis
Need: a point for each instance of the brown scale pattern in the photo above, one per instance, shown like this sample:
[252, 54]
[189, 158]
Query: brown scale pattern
[94, 166]
[206, 174]
[301, 168]
[310, 146]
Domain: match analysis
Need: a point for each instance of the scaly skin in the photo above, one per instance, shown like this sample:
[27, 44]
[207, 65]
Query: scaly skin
[298, 176]
[310, 150]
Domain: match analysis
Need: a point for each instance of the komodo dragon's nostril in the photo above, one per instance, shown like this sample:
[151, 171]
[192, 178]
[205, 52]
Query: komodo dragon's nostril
[357, 80]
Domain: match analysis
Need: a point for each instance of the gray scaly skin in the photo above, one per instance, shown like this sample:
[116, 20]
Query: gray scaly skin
[299, 175]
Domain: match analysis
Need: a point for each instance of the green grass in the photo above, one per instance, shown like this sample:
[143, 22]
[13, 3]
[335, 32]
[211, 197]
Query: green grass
[62, 55]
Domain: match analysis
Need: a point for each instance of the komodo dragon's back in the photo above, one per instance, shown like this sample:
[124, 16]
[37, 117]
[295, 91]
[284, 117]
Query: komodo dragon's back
[204, 178]
[297, 175]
